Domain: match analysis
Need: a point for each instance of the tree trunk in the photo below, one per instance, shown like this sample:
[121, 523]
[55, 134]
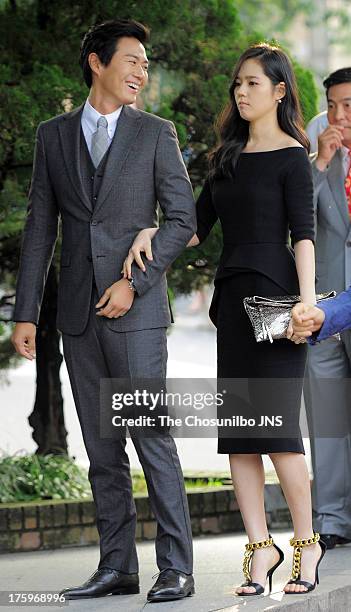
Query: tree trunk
[47, 418]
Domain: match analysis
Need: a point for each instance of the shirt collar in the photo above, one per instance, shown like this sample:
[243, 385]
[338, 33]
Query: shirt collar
[346, 152]
[91, 116]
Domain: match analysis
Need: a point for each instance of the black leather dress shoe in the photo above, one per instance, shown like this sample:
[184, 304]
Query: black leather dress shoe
[104, 581]
[332, 540]
[171, 584]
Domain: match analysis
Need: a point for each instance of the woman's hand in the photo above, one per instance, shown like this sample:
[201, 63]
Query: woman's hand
[291, 335]
[305, 320]
[295, 333]
[141, 244]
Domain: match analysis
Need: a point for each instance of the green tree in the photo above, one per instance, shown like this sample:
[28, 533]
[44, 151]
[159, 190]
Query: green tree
[273, 16]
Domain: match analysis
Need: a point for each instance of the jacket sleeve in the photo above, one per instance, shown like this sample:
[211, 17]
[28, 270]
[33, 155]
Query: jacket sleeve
[319, 176]
[39, 238]
[337, 315]
[206, 215]
[175, 197]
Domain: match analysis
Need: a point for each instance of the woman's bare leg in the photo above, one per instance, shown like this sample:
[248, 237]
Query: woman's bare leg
[293, 475]
[248, 481]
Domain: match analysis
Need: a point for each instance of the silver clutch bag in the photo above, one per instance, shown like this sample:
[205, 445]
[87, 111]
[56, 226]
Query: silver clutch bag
[270, 316]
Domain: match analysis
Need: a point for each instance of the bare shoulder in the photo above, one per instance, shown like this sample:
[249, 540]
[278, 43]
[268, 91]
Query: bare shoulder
[291, 142]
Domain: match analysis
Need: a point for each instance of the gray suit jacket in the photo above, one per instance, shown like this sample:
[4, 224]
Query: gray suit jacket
[333, 242]
[144, 167]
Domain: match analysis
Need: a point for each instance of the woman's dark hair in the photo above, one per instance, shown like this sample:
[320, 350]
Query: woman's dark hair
[233, 131]
[102, 39]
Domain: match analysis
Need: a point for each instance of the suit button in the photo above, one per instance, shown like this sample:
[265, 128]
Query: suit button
[95, 198]
[89, 258]
[348, 243]
[94, 222]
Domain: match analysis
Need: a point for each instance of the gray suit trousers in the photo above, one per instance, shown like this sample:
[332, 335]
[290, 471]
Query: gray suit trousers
[331, 457]
[99, 353]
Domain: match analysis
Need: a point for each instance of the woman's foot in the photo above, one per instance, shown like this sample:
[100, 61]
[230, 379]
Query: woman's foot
[310, 556]
[262, 560]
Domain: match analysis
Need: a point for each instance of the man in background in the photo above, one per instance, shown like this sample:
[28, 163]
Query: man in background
[331, 457]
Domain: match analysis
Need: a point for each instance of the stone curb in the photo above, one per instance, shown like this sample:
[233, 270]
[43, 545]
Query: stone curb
[60, 524]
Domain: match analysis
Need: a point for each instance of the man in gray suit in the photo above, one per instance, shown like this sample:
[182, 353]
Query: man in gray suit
[331, 457]
[102, 168]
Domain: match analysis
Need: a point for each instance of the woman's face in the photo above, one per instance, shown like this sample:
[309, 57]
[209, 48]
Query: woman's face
[255, 94]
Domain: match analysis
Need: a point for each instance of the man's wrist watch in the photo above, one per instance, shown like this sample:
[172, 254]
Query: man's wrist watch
[131, 284]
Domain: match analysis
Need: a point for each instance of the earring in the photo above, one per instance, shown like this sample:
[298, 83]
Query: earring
[279, 101]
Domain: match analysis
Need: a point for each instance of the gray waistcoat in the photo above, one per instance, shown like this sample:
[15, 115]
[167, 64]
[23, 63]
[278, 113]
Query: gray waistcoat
[91, 176]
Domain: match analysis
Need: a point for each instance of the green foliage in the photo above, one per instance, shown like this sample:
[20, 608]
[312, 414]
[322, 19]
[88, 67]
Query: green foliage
[273, 16]
[32, 477]
[308, 92]
[339, 23]
[26, 478]
[276, 16]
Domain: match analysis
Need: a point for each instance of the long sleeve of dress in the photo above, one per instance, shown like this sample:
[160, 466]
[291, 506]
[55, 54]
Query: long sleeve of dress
[299, 198]
[206, 214]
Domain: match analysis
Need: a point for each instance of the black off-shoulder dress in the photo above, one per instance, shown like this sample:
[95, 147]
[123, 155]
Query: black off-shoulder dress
[270, 197]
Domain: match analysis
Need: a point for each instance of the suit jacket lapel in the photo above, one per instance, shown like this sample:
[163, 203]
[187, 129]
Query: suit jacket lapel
[128, 128]
[337, 185]
[70, 139]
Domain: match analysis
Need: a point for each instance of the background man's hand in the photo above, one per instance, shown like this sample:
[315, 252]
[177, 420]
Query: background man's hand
[116, 300]
[329, 141]
[305, 320]
[23, 339]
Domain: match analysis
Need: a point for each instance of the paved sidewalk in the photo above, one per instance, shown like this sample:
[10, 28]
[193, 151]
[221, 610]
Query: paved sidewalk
[217, 571]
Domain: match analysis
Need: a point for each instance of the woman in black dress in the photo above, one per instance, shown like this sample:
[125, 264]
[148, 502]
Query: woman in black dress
[260, 188]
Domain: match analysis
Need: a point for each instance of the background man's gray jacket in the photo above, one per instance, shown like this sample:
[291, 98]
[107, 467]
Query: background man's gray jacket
[333, 241]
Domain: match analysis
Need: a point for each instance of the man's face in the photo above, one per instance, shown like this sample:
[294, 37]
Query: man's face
[125, 76]
[339, 109]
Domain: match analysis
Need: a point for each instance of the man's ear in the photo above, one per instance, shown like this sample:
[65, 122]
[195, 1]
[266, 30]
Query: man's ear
[94, 63]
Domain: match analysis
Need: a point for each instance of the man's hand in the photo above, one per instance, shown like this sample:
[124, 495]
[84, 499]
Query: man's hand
[329, 141]
[23, 339]
[116, 301]
[305, 320]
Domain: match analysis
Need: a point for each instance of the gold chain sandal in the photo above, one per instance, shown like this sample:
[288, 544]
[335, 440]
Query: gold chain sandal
[249, 551]
[296, 568]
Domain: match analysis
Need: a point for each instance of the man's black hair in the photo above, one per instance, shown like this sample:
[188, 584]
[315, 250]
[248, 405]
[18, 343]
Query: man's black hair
[343, 75]
[102, 39]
